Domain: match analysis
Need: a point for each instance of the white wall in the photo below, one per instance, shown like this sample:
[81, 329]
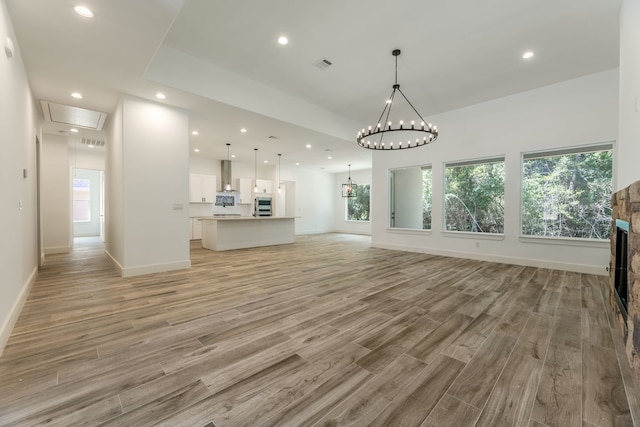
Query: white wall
[55, 194]
[314, 197]
[88, 158]
[629, 123]
[114, 187]
[340, 224]
[576, 112]
[151, 157]
[18, 124]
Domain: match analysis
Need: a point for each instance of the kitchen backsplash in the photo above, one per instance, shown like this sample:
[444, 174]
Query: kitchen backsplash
[208, 209]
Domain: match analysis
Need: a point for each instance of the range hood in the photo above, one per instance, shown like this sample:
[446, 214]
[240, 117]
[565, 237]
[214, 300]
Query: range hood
[225, 181]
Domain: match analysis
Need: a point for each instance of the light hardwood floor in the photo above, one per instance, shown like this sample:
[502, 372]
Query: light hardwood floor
[327, 331]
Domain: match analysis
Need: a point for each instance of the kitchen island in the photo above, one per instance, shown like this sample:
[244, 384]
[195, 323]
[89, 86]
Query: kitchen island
[223, 233]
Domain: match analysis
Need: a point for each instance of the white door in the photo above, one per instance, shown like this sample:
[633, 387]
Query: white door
[86, 197]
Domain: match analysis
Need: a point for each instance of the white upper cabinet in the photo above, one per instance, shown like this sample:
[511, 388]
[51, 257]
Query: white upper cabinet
[202, 188]
[245, 189]
[264, 187]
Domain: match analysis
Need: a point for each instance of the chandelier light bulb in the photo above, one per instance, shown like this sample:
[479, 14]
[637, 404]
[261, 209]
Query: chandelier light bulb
[408, 133]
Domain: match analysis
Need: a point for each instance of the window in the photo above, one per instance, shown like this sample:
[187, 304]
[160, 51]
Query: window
[358, 207]
[474, 196]
[81, 200]
[426, 197]
[568, 193]
[410, 198]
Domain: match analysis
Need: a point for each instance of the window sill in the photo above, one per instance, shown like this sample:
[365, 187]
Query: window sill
[408, 231]
[357, 221]
[472, 235]
[566, 241]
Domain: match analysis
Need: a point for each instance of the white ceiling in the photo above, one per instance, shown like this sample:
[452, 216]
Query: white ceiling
[232, 73]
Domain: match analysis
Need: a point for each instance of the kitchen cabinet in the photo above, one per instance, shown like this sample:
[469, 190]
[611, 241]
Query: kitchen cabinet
[245, 189]
[264, 186]
[202, 188]
[196, 229]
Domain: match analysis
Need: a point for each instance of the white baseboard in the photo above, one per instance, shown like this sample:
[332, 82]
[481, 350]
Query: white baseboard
[14, 313]
[57, 250]
[147, 269]
[528, 262]
[361, 233]
[114, 262]
[155, 268]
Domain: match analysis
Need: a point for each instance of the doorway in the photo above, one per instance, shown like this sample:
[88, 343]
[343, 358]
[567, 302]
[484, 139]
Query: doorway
[87, 189]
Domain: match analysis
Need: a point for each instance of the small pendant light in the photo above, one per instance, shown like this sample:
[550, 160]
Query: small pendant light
[349, 189]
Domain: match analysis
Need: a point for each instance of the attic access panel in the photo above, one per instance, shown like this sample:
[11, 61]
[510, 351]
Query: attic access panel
[72, 116]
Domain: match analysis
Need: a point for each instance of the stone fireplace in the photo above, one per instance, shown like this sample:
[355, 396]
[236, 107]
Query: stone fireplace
[624, 277]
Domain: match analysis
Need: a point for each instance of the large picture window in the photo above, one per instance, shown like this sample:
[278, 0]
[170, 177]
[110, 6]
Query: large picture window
[568, 193]
[474, 196]
[358, 207]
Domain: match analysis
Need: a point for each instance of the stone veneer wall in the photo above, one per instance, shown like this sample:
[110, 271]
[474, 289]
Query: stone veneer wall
[626, 207]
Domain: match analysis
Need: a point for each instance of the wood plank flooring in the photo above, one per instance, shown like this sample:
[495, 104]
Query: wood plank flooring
[324, 332]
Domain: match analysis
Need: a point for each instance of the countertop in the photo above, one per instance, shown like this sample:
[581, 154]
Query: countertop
[242, 218]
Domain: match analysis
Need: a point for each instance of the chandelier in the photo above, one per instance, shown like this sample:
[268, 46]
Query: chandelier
[398, 135]
[349, 189]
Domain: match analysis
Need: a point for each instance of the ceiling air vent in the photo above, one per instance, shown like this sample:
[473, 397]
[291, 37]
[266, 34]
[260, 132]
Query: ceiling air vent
[72, 116]
[273, 137]
[92, 142]
[323, 64]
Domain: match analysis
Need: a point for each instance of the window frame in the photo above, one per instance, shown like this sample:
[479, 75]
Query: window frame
[346, 207]
[390, 172]
[483, 235]
[556, 152]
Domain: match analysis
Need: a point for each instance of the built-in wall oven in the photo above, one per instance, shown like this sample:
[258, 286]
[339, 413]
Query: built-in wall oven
[262, 206]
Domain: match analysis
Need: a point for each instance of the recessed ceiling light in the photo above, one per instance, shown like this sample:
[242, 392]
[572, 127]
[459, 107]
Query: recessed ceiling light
[83, 11]
[283, 40]
[196, 150]
[528, 55]
[243, 130]
[297, 164]
[266, 161]
[90, 146]
[195, 132]
[329, 157]
[74, 130]
[161, 95]
[308, 145]
[76, 95]
[233, 155]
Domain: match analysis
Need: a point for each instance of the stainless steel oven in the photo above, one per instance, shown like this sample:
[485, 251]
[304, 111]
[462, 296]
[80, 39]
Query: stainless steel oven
[262, 206]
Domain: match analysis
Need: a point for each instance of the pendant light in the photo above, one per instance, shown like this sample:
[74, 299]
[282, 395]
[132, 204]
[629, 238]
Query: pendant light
[399, 135]
[349, 189]
[279, 157]
[255, 171]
